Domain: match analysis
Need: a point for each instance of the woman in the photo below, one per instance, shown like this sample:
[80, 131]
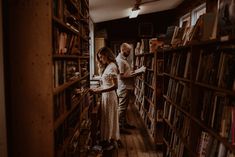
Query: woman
[109, 105]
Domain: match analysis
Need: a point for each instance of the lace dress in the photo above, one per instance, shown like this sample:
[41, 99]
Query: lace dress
[109, 106]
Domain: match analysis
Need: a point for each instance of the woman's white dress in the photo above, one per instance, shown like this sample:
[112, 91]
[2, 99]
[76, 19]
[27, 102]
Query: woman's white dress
[109, 105]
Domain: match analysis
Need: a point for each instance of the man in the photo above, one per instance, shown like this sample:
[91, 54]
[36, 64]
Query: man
[125, 86]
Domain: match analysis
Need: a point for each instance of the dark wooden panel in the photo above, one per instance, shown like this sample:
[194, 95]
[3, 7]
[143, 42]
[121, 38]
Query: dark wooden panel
[30, 82]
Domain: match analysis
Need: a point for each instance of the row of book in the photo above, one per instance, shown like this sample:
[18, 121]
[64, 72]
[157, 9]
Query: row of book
[209, 146]
[74, 7]
[217, 68]
[217, 111]
[178, 64]
[139, 93]
[208, 26]
[176, 147]
[175, 118]
[160, 66]
[85, 32]
[148, 45]
[149, 78]
[66, 129]
[65, 42]
[84, 65]
[148, 120]
[215, 107]
[70, 42]
[80, 143]
[149, 94]
[142, 47]
[139, 61]
[219, 117]
[64, 71]
[149, 63]
[179, 93]
[84, 10]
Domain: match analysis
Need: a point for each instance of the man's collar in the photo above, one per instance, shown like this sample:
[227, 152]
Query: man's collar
[122, 56]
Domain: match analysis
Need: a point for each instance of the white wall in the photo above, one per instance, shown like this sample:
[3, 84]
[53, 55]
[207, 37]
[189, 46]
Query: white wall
[3, 142]
[92, 51]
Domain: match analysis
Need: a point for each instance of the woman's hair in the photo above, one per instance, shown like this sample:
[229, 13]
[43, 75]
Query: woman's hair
[105, 51]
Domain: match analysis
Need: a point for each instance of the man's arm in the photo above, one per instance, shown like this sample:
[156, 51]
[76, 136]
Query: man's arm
[135, 73]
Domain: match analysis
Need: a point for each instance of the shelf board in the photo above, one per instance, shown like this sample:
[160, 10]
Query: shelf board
[160, 74]
[150, 53]
[86, 4]
[85, 38]
[61, 150]
[150, 86]
[151, 118]
[65, 56]
[84, 20]
[138, 88]
[167, 144]
[148, 130]
[139, 55]
[62, 24]
[229, 92]
[223, 39]
[204, 43]
[150, 69]
[177, 78]
[84, 57]
[149, 101]
[68, 84]
[174, 49]
[74, 5]
[169, 147]
[140, 77]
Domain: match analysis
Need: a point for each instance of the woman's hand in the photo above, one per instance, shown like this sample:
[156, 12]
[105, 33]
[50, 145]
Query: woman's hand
[95, 90]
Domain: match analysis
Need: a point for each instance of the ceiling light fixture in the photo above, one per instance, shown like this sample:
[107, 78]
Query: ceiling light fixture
[135, 11]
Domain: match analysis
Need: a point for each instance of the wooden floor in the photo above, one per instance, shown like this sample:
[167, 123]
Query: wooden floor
[138, 143]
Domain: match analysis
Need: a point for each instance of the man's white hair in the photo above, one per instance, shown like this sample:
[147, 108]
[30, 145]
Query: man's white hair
[126, 45]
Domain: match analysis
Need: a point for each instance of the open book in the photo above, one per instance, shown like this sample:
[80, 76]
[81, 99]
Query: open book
[138, 71]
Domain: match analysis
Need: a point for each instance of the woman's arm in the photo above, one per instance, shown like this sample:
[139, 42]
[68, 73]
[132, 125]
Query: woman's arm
[102, 90]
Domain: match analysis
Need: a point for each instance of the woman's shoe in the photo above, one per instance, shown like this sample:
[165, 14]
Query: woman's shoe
[119, 143]
[108, 147]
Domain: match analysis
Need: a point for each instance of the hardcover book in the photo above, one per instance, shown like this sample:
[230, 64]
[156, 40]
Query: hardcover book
[226, 9]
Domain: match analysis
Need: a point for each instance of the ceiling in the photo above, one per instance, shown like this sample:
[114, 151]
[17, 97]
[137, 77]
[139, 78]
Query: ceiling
[105, 10]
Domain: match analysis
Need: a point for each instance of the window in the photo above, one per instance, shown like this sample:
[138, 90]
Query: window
[193, 15]
[197, 12]
[186, 17]
[92, 51]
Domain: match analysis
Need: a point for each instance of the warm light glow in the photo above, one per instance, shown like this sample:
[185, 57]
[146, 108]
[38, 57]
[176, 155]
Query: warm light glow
[134, 13]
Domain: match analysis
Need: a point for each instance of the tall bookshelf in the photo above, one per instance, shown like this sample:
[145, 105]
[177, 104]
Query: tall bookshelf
[199, 99]
[47, 75]
[148, 90]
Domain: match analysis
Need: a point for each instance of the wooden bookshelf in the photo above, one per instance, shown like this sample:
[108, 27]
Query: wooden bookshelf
[48, 76]
[200, 103]
[148, 92]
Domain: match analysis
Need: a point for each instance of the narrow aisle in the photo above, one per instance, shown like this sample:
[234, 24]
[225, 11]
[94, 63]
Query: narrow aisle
[138, 143]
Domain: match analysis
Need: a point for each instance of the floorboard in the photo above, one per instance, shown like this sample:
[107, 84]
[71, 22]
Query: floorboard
[138, 143]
